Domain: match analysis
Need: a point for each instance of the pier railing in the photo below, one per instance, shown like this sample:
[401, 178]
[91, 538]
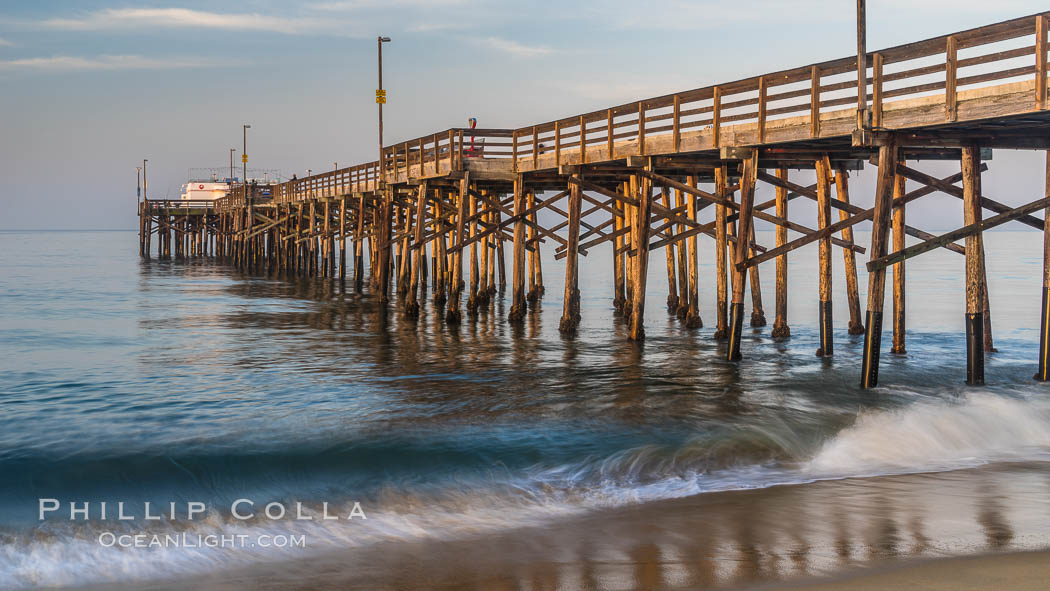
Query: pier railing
[427, 156]
[154, 204]
[734, 113]
[1011, 50]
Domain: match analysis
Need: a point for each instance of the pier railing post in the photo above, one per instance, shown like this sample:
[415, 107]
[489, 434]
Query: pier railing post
[971, 162]
[877, 279]
[748, 179]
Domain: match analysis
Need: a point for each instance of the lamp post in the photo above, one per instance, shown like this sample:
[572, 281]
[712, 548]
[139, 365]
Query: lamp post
[144, 161]
[138, 184]
[232, 150]
[380, 100]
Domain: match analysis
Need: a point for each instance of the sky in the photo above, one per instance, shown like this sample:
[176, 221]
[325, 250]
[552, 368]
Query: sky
[90, 88]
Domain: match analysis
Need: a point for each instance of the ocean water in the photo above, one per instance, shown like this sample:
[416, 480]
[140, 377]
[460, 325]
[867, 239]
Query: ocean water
[166, 382]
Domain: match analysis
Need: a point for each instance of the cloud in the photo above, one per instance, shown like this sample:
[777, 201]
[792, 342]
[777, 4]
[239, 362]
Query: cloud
[514, 48]
[6, 43]
[128, 18]
[345, 5]
[100, 63]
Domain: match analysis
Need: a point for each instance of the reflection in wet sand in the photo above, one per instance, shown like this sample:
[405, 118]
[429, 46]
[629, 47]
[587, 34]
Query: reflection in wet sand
[715, 540]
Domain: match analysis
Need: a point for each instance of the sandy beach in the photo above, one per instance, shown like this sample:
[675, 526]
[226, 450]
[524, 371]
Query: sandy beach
[1024, 571]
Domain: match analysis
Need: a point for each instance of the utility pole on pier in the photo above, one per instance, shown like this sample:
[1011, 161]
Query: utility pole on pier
[232, 150]
[862, 64]
[144, 161]
[380, 101]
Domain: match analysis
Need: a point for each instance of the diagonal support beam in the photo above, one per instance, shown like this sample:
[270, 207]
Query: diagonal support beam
[853, 209]
[937, 241]
[954, 191]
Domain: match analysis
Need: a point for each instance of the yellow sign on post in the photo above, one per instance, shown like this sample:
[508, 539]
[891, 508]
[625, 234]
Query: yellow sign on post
[244, 158]
[380, 97]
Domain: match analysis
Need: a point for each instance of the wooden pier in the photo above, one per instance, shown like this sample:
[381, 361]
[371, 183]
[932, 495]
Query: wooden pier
[447, 206]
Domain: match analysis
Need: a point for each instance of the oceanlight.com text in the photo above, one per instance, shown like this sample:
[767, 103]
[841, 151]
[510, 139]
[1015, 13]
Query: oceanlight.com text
[188, 540]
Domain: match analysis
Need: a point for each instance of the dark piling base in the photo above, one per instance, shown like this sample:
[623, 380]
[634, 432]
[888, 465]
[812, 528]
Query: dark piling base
[855, 328]
[780, 330]
[736, 329]
[975, 349]
[1043, 375]
[693, 320]
[827, 339]
[516, 314]
[758, 319]
[869, 376]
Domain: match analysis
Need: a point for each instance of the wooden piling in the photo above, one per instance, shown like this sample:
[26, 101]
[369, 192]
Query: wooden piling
[619, 289]
[849, 258]
[971, 162]
[758, 314]
[827, 340]
[1043, 372]
[412, 301]
[721, 252]
[472, 294]
[681, 252]
[669, 251]
[452, 314]
[440, 257]
[877, 279]
[640, 244]
[383, 242]
[748, 179]
[692, 315]
[780, 322]
[570, 317]
[518, 303]
[899, 272]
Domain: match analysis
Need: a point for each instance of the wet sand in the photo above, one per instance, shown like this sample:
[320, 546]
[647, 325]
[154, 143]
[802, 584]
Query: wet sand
[1027, 571]
[861, 533]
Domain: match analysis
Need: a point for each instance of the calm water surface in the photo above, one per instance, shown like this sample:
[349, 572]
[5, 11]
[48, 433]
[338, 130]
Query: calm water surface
[179, 381]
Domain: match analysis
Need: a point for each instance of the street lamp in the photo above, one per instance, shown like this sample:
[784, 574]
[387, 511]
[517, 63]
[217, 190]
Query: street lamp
[380, 100]
[232, 150]
[138, 183]
[244, 153]
[144, 161]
